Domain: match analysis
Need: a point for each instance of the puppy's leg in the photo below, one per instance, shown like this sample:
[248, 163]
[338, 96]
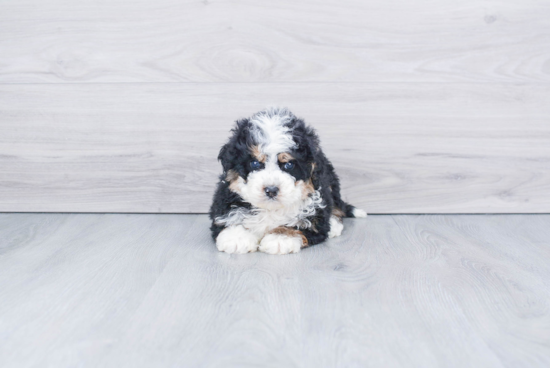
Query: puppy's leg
[283, 240]
[236, 239]
[336, 227]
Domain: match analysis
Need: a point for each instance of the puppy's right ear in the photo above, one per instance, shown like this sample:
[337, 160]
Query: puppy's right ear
[231, 152]
[225, 156]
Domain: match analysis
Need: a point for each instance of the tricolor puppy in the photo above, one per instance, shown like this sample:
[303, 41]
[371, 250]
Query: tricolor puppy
[278, 193]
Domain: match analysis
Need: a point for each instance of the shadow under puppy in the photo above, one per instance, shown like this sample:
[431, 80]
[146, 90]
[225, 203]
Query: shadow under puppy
[278, 193]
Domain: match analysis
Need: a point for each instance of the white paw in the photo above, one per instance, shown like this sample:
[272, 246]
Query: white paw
[357, 212]
[280, 244]
[236, 239]
[336, 227]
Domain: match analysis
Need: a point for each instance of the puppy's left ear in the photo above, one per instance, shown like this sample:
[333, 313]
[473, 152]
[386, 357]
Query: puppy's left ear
[310, 142]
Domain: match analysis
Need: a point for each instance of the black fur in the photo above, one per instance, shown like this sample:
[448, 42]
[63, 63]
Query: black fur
[235, 155]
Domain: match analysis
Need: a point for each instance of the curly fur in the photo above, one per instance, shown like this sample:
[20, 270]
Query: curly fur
[275, 150]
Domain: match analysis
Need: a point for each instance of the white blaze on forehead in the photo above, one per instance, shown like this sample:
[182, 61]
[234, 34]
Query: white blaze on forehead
[270, 132]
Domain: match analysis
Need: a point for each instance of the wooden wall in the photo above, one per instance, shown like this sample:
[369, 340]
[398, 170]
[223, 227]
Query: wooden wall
[423, 107]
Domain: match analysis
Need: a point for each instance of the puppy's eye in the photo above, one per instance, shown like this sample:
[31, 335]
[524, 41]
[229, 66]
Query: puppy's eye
[255, 165]
[289, 166]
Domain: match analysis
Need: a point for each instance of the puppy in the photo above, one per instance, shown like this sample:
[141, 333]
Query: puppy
[278, 193]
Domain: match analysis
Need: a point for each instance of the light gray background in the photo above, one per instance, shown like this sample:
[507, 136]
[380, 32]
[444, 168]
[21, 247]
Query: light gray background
[424, 107]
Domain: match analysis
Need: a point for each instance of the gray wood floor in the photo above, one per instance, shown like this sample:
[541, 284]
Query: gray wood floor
[118, 290]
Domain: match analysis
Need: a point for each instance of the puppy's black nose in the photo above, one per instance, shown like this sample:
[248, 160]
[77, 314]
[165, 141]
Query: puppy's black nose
[271, 192]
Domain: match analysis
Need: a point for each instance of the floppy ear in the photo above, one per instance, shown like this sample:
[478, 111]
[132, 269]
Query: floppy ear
[309, 145]
[308, 142]
[225, 156]
[229, 153]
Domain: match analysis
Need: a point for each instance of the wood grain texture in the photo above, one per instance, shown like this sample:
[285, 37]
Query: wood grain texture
[459, 148]
[62, 41]
[392, 291]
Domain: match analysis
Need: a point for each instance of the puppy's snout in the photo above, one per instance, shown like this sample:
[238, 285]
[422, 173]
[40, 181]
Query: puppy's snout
[271, 192]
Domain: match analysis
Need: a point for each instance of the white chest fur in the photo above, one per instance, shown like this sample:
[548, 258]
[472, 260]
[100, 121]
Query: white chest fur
[260, 221]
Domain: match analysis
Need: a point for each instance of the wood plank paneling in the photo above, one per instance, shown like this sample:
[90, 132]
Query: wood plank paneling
[392, 291]
[398, 147]
[62, 41]
[424, 107]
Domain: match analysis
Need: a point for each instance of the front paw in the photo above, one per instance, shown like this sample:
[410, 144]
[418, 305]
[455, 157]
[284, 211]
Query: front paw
[280, 244]
[236, 239]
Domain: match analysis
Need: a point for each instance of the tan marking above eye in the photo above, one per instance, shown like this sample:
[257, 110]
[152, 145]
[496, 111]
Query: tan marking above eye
[285, 157]
[258, 154]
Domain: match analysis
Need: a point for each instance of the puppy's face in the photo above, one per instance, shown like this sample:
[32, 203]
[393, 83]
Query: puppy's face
[268, 162]
[273, 181]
